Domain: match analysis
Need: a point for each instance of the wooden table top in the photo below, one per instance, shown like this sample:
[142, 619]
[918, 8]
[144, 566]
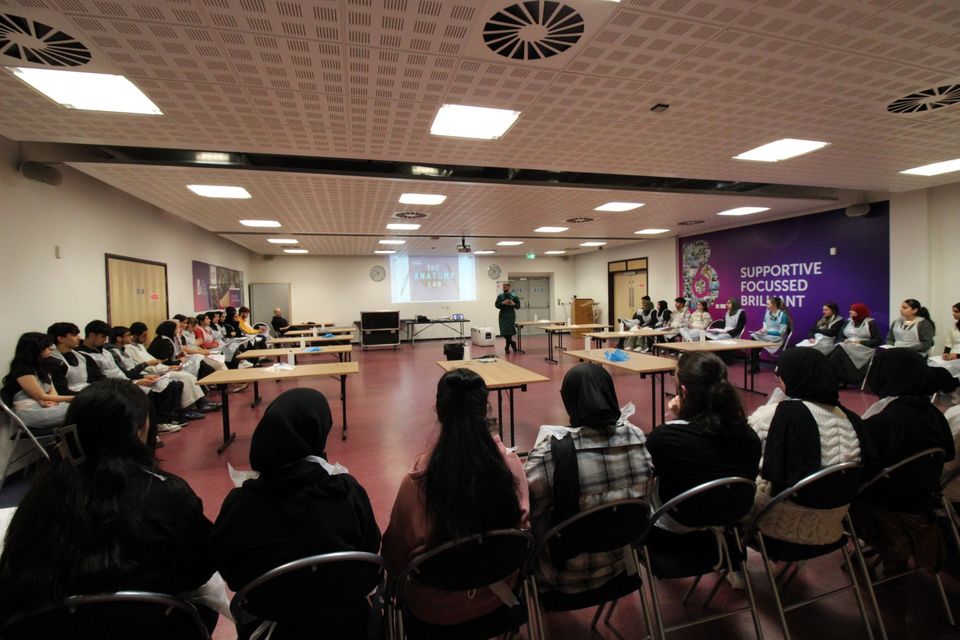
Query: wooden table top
[639, 333]
[527, 323]
[259, 374]
[572, 327]
[296, 340]
[268, 353]
[710, 346]
[637, 362]
[311, 324]
[309, 332]
[496, 374]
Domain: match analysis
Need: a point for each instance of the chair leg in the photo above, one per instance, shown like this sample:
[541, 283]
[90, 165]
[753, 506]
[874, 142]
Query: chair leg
[773, 587]
[693, 587]
[856, 592]
[951, 519]
[946, 602]
[655, 598]
[862, 562]
[716, 587]
[596, 616]
[537, 612]
[13, 449]
[613, 605]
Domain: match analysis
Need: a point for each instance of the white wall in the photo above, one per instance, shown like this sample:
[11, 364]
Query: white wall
[336, 288]
[87, 219]
[591, 270]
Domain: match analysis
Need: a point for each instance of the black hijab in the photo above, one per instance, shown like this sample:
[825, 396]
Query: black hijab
[167, 329]
[900, 372]
[807, 375]
[589, 397]
[294, 426]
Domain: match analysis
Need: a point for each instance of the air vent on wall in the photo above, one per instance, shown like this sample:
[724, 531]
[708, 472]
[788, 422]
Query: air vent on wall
[690, 223]
[533, 30]
[409, 215]
[579, 220]
[927, 100]
[37, 43]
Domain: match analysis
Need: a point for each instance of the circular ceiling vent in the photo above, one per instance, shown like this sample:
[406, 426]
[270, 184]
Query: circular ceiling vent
[31, 41]
[409, 215]
[579, 220]
[690, 223]
[927, 100]
[533, 30]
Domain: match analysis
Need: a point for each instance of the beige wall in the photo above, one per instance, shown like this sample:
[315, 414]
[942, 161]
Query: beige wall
[86, 219]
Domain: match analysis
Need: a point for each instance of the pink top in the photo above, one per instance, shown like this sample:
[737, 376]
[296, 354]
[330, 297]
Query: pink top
[407, 535]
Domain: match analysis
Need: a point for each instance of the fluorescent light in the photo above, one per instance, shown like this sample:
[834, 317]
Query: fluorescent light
[393, 242]
[462, 121]
[403, 226]
[619, 206]
[781, 150]
[742, 211]
[88, 91]
[218, 191]
[484, 252]
[422, 198]
[551, 229]
[281, 240]
[553, 253]
[935, 169]
[212, 157]
[420, 170]
[650, 232]
[509, 243]
[592, 244]
[260, 223]
[385, 251]
[295, 251]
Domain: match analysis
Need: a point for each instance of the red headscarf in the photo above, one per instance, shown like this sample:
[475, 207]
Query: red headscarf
[862, 313]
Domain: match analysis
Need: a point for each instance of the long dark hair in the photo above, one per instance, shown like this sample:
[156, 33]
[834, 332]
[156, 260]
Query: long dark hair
[27, 355]
[167, 329]
[708, 397]
[468, 487]
[824, 322]
[661, 305]
[77, 514]
[957, 308]
[229, 314]
[920, 310]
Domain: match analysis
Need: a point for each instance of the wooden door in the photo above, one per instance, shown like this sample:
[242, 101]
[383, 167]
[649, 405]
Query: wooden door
[628, 288]
[136, 292]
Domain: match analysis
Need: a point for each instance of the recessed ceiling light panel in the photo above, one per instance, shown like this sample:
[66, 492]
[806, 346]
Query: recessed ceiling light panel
[282, 240]
[219, 191]
[650, 232]
[422, 198]
[297, 251]
[509, 243]
[393, 242]
[88, 91]
[483, 252]
[553, 253]
[781, 150]
[384, 251]
[619, 206]
[935, 169]
[480, 123]
[551, 229]
[260, 223]
[402, 226]
[742, 211]
[592, 244]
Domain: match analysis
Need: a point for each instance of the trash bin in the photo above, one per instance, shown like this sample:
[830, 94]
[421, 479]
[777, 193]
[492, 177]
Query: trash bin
[453, 350]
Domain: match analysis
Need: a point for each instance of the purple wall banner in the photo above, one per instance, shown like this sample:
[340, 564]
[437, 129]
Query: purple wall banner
[808, 261]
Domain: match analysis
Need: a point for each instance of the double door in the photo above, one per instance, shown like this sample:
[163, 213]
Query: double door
[534, 296]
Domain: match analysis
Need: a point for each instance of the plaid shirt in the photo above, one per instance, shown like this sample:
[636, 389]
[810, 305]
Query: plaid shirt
[614, 464]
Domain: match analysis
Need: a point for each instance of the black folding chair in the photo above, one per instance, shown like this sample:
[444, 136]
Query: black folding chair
[110, 616]
[829, 488]
[921, 469]
[950, 511]
[609, 527]
[715, 507]
[36, 443]
[474, 562]
[332, 592]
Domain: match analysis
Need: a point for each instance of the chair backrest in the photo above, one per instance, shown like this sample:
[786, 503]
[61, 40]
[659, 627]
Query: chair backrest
[900, 485]
[718, 503]
[111, 616]
[606, 527]
[717, 324]
[471, 562]
[331, 586]
[828, 488]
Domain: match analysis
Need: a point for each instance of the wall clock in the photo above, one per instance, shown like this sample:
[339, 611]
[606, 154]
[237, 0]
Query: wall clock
[377, 273]
[493, 271]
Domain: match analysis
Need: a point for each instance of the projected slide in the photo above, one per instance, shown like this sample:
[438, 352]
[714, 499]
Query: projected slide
[432, 278]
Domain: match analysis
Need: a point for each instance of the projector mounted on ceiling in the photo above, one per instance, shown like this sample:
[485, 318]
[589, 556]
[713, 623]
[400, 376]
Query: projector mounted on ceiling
[463, 247]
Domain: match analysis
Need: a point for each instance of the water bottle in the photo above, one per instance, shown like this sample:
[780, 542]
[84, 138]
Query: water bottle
[466, 351]
[621, 326]
[536, 318]
[291, 359]
[303, 343]
[586, 343]
[703, 335]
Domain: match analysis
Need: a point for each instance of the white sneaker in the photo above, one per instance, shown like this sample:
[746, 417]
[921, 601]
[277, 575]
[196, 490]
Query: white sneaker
[246, 364]
[167, 427]
[736, 580]
[638, 349]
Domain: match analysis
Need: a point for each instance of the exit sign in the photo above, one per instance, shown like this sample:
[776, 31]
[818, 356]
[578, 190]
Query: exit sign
[531, 256]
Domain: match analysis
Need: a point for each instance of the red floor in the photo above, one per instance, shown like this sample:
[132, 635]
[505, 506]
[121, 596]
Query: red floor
[391, 419]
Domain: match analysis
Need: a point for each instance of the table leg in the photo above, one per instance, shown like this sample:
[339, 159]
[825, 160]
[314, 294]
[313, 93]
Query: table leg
[663, 398]
[343, 402]
[520, 339]
[560, 340]
[227, 436]
[256, 395]
[500, 412]
[653, 401]
[746, 365]
[550, 357]
[513, 441]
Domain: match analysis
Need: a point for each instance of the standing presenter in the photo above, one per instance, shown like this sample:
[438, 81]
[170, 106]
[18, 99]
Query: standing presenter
[508, 302]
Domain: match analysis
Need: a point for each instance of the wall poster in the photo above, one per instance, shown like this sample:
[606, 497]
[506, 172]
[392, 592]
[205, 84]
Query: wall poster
[216, 287]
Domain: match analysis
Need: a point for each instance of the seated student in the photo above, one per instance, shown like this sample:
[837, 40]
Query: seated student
[664, 315]
[709, 440]
[299, 506]
[643, 318]
[203, 333]
[192, 396]
[187, 338]
[850, 358]
[27, 387]
[600, 458]
[166, 346]
[895, 517]
[166, 396]
[734, 320]
[137, 349]
[679, 319]
[280, 324]
[231, 326]
[243, 321]
[823, 335]
[698, 323]
[106, 518]
[952, 490]
[468, 483]
[803, 433]
[70, 371]
[216, 324]
[913, 329]
[776, 324]
[950, 360]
